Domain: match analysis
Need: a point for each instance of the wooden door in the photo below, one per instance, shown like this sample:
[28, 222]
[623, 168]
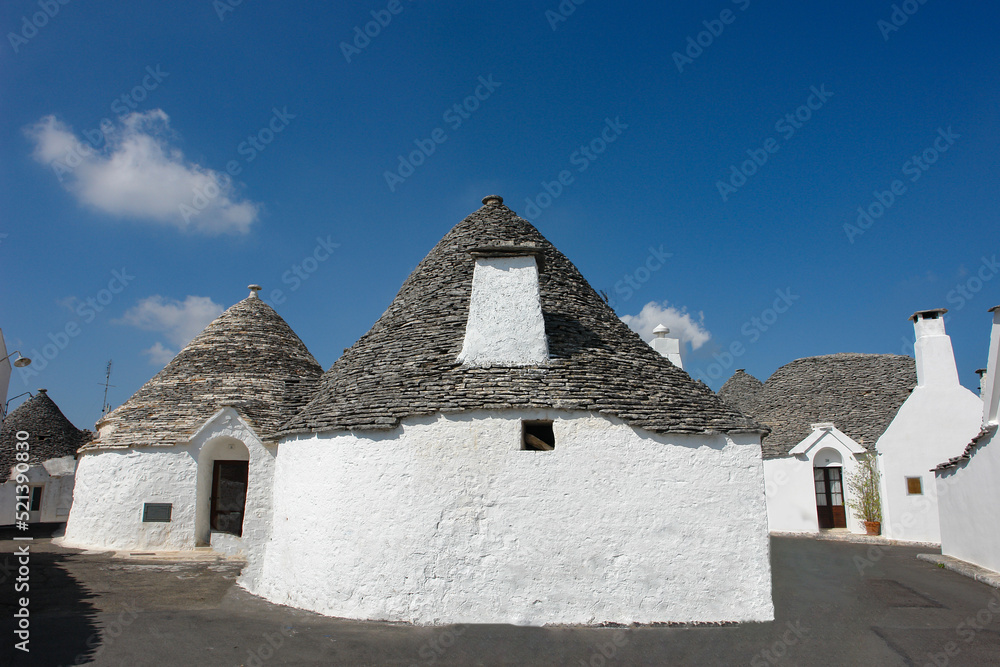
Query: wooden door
[229, 496]
[829, 498]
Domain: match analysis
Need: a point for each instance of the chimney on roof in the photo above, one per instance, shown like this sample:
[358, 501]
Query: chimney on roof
[935, 357]
[668, 347]
[981, 372]
[991, 382]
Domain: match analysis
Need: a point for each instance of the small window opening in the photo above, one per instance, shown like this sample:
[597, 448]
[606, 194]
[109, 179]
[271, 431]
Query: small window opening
[914, 486]
[537, 436]
[36, 499]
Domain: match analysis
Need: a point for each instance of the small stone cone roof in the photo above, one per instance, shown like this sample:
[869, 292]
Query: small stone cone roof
[406, 365]
[742, 391]
[50, 434]
[248, 359]
[859, 393]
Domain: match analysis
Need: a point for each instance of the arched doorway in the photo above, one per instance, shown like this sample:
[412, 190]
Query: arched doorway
[828, 479]
[223, 479]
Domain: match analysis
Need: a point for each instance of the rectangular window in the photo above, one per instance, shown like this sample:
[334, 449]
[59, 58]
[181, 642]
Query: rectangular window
[156, 512]
[537, 436]
[914, 486]
[36, 499]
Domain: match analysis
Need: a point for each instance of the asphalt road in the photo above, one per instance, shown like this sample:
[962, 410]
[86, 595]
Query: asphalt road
[836, 604]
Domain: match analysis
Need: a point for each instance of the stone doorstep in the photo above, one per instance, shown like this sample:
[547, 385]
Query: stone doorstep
[838, 536]
[980, 574]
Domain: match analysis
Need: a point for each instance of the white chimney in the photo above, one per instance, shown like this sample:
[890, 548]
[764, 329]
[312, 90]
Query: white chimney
[668, 347]
[935, 357]
[505, 325]
[991, 383]
[981, 372]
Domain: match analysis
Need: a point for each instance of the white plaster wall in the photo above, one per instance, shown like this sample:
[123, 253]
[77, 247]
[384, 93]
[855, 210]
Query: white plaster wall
[112, 486]
[505, 325]
[446, 520]
[791, 498]
[791, 492]
[933, 425]
[55, 476]
[57, 497]
[969, 503]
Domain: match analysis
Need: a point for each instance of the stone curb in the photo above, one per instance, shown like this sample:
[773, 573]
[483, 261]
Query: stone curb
[857, 539]
[980, 574]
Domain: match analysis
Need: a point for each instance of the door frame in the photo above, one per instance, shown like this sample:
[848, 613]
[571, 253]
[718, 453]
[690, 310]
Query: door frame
[832, 514]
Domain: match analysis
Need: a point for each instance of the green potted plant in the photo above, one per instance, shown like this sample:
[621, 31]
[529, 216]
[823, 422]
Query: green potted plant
[865, 500]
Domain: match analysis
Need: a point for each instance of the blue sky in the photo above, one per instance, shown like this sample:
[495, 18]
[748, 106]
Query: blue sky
[261, 143]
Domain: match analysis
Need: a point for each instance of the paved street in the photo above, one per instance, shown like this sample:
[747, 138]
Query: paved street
[91, 609]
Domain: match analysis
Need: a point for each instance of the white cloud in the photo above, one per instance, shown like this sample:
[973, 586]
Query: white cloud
[138, 174]
[680, 322]
[178, 321]
[159, 355]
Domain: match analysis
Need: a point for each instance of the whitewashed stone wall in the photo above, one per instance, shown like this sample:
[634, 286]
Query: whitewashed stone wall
[505, 325]
[55, 476]
[446, 520]
[113, 485]
[969, 499]
[933, 425]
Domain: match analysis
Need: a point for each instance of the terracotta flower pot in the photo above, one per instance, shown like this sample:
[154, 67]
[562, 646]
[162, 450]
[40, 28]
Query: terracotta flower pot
[873, 527]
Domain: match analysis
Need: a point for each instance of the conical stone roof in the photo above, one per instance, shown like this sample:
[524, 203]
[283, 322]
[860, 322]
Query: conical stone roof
[248, 359]
[407, 364]
[50, 434]
[742, 391]
[859, 393]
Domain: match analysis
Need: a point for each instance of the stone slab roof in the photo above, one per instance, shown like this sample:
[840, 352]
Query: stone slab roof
[742, 391]
[859, 393]
[985, 432]
[51, 435]
[248, 359]
[406, 365]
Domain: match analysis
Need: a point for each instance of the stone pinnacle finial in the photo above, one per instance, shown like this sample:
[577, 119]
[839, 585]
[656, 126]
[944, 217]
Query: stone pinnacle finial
[253, 291]
[42, 391]
[492, 200]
